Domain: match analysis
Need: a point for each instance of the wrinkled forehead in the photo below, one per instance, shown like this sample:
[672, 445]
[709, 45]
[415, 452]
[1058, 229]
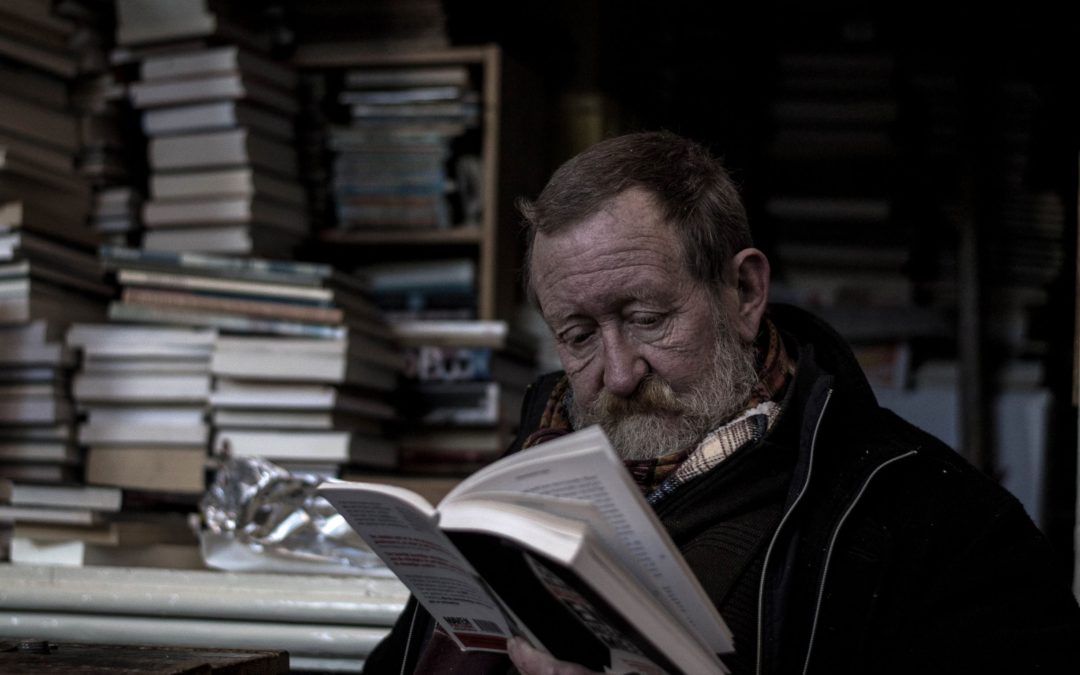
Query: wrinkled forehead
[627, 227]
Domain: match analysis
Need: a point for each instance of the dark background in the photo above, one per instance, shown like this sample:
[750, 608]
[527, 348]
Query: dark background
[981, 110]
[712, 71]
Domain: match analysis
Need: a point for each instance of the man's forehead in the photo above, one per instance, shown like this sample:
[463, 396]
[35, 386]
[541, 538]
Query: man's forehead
[623, 290]
[629, 220]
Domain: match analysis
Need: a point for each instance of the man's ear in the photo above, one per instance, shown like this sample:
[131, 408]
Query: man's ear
[752, 286]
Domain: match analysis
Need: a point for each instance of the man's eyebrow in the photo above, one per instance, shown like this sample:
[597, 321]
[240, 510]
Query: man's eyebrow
[558, 320]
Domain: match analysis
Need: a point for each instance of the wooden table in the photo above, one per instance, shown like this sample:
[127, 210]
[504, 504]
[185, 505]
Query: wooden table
[41, 656]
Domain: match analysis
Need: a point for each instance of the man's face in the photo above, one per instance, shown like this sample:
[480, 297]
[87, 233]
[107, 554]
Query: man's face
[647, 348]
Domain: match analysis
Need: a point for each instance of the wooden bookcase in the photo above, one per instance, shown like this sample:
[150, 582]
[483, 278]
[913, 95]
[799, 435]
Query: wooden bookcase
[507, 120]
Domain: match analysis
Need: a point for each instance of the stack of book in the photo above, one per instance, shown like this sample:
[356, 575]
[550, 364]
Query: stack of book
[1028, 255]
[424, 289]
[98, 98]
[103, 135]
[303, 364]
[112, 156]
[143, 393]
[240, 295]
[310, 405]
[840, 106]
[219, 118]
[49, 266]
[85, 525]
[37, 419]
[49, 273]
[117, 214]
[394, 166]
[462, 393]
[843, 250]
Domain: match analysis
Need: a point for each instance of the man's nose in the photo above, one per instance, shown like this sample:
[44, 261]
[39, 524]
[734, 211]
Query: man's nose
[624, 366]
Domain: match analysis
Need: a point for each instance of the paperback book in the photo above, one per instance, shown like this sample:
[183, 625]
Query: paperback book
[555, 545]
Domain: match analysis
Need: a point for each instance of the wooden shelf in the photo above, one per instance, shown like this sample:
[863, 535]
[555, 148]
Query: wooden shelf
[470, 234]
[340, 55]
[494, 254]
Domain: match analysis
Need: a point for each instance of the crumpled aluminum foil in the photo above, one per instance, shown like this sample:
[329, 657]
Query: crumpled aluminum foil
[257, 516]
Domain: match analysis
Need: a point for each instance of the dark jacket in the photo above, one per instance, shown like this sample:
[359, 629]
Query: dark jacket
[892, 554]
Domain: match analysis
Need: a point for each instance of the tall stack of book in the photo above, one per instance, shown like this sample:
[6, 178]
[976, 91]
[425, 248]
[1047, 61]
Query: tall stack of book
[303, 364]
[462, 393]
[98, 97]
[220, 120]
[836, 112]
[844, 250]
[49, 273]
[1028, 252]
[395, 165]
[112, 154]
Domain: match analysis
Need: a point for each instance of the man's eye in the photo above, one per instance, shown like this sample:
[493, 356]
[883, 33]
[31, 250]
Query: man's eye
[646, 320]
[576, 338]
[579, 338]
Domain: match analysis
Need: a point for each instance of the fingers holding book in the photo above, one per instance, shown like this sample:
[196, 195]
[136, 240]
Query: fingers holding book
[531, 661]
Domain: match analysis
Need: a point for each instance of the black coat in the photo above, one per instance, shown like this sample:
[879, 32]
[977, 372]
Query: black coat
[893, 554]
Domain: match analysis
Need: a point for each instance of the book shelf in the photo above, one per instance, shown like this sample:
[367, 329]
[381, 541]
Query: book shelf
[491, 242]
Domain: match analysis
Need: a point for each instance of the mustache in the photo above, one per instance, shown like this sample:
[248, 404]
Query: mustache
[652, 396]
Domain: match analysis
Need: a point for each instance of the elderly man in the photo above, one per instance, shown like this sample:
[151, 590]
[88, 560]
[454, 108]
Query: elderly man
[832, 536]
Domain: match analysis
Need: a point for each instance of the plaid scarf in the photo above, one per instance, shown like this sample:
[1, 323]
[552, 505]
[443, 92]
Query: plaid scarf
[660, 476]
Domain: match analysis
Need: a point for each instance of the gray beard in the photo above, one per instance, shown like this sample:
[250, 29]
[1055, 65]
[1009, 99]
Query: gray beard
[656, 421]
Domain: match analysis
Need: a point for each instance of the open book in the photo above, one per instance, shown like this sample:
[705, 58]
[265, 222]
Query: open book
[555, 544]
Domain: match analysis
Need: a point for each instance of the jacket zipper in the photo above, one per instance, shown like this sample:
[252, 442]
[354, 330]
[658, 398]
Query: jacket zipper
[776, 536]
[408, 638]
[832, 546]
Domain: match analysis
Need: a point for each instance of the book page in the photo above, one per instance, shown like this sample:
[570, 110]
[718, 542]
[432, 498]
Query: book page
[400, 527]
[583, 466]
[561, 579]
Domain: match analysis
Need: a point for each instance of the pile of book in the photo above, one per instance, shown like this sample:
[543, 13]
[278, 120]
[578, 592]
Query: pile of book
[113, 153]
[37, 418]
[462, 393]
[303, 362]
[310, 405]
[84, 525]
[99, 100]
[139, 401]
[49, 273]
[54, 66]
[143, 392]
[393, 165]
[117, 214]
[424, 289]
[219, 116]
[843, 250]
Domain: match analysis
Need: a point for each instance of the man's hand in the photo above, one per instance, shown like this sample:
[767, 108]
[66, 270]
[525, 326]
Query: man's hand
[532, 662]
